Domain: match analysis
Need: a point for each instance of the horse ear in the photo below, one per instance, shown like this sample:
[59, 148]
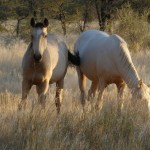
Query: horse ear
[140, 83]
[32, 22]
[45, 22]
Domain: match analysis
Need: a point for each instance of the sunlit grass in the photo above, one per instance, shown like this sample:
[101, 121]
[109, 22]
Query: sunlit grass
[34, 128]
[73, 129]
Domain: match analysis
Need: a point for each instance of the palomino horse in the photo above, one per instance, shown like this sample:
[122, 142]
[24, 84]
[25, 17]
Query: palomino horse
[45, 62]
[105, 59]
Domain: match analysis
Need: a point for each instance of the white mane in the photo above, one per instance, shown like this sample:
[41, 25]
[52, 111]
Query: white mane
[129, 71]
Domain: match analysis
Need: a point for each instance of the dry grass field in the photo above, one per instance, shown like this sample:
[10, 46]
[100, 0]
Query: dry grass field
[35, 129]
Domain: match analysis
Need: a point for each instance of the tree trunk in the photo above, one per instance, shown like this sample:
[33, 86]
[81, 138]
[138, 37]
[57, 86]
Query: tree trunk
[18, 24]
[18, 27]
[32, 4]
[63, 23]
[85, 17]
[62, 19]
[98, 11]
[42, 9]
[35, 15]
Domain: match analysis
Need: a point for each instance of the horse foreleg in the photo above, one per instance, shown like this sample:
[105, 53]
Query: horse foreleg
[92, 90]
[120, 88]
[26, 86]
[58, 97]
[82, 85]
[101, 88]
[42, 90]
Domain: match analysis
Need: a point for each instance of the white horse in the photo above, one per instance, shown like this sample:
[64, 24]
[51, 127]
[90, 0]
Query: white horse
[45, 62]
[105, 59]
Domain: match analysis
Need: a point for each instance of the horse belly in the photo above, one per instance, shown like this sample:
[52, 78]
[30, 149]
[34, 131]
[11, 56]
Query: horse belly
[96, 66]
[94, 73]
[57, 75]
[59, 70]
[107, 69]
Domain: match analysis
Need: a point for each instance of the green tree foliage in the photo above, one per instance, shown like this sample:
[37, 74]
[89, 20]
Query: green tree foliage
[140, 5]
[67, 11]
[133, 27]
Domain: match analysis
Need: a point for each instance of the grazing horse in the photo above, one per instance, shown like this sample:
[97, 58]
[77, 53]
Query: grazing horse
[105, 59]
[45, 62]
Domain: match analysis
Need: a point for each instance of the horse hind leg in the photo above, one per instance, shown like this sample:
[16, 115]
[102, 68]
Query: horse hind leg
[101, 88]
[92, 90]
[58, 97]
[26, 86]
[82, 85]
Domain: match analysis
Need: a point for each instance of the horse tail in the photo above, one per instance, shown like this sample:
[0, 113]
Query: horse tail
[74, 58]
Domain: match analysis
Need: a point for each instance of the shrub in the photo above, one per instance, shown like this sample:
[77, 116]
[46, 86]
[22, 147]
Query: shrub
[134, 28]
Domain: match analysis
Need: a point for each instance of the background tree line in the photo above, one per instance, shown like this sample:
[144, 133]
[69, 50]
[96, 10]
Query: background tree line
[66, 12]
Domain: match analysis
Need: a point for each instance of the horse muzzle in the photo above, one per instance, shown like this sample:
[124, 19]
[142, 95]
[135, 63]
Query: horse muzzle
[37, 58]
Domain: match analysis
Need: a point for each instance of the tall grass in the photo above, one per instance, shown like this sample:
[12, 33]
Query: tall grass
[73, 129]
[34, 128]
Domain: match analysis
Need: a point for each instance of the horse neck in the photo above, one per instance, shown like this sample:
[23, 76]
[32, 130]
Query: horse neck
[131, 77]
[129, 72]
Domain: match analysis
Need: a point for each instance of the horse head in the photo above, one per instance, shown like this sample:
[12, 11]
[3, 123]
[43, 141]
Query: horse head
[142, 92]
[39, 38]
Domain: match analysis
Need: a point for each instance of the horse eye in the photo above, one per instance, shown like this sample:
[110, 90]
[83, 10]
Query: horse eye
[31, 36]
